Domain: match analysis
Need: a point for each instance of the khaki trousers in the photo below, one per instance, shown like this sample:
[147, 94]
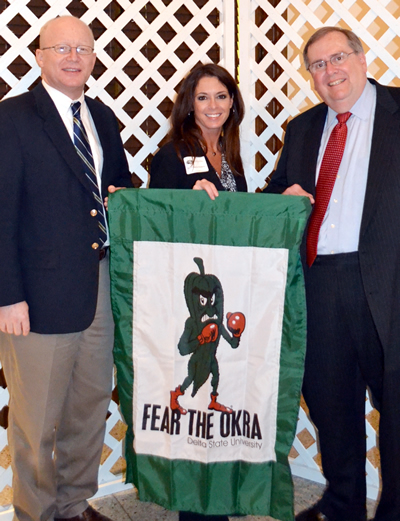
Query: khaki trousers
[60, 388]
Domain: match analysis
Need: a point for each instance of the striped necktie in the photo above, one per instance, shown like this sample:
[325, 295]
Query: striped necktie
[326, 180]
[84, 151]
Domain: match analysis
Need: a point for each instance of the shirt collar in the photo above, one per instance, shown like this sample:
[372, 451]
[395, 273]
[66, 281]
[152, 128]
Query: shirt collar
[361, 108]
[61, 100]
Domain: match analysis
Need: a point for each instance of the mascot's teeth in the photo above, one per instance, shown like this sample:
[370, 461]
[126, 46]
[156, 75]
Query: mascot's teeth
[206, 317]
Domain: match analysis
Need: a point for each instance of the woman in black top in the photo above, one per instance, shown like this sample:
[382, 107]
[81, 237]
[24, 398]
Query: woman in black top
[203, 152]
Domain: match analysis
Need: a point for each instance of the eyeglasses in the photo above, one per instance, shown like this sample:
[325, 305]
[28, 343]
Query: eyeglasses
[336, 60]
[66, 49]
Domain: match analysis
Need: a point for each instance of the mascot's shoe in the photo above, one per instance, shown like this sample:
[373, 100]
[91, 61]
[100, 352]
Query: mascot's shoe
[90, 514]
[174, 404]
[215, 406]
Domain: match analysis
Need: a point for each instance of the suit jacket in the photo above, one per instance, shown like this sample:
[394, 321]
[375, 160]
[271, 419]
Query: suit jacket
[168, 171]
[379, 243]
[46, 228]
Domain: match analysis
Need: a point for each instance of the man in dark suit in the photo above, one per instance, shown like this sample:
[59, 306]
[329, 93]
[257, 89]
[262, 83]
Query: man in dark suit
[353, 285]
[56, 325]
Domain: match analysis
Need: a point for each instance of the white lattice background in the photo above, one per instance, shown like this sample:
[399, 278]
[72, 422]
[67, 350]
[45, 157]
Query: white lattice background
[164, 34]
[144, 49]
[273, 79]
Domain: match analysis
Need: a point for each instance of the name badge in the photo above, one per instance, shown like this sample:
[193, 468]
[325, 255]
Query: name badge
[195, 165]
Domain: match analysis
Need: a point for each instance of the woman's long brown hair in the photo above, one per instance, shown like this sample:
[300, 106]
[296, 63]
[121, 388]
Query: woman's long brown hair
[184, 128]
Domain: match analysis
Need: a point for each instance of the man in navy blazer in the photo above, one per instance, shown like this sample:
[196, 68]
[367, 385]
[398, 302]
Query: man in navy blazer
[353, 286]
[56, 327]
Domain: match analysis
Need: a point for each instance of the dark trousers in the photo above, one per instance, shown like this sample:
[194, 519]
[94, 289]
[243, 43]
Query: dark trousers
[344, 356]
[191, 516]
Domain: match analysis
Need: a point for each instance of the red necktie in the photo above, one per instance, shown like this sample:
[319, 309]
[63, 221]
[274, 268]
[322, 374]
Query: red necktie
[326, 180]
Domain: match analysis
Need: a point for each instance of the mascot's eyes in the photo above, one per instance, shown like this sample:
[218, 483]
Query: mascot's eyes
[213, 299]
[203, 300]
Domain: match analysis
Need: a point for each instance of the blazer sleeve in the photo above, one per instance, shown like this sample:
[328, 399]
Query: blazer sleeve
[11, 175]
[166, 169]
[121, 176]
[279, 180]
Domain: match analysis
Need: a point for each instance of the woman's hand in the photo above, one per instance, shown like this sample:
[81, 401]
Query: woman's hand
[208, 186]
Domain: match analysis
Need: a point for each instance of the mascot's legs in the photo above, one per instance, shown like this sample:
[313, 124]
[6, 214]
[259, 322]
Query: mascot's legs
[215, 406]
[174, 404]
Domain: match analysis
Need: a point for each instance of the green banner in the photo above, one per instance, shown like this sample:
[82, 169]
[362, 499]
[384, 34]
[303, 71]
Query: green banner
[209, 306]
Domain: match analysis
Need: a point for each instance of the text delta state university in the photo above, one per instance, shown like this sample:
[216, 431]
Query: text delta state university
[200, 424]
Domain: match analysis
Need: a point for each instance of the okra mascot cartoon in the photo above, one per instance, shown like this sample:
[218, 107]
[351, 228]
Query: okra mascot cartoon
[203, 329]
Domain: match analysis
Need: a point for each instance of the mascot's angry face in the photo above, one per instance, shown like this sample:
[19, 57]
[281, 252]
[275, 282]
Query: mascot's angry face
[208, 302]
[204, 296]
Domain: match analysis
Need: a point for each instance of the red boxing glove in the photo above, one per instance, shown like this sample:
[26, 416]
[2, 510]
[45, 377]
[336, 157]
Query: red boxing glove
[236, 323]
[209, 334]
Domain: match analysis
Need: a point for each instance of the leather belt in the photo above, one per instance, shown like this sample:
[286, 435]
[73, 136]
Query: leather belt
[103, 253]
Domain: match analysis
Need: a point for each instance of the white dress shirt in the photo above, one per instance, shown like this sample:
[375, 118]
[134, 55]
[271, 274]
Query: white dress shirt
[340, 229]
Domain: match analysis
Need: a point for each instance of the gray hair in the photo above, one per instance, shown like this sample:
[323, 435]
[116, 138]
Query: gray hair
[353, 40]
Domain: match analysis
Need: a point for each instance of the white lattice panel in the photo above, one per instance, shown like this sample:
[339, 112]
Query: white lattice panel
[274, 84]
[376, 22]
[166, 88]
[221, 35]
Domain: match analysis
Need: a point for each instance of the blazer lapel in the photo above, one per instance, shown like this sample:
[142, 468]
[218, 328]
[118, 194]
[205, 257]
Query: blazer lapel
[386, 128]
[312, 142]
[58, 134]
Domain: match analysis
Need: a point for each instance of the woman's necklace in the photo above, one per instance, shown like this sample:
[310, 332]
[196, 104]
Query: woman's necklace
[213, 153]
